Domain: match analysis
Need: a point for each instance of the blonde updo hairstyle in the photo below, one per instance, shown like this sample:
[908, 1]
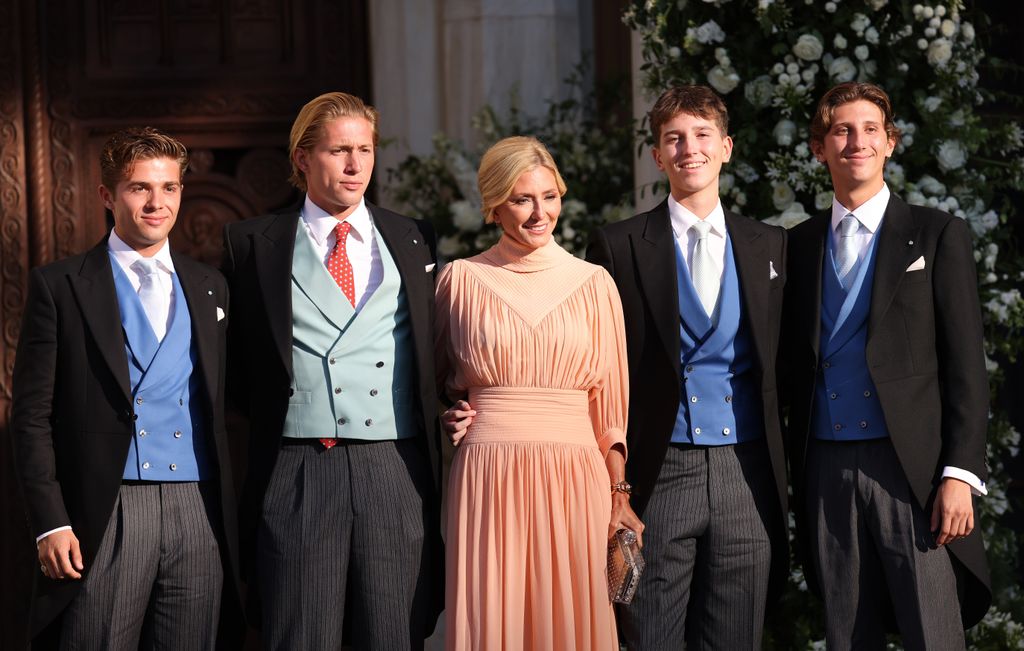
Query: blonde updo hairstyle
[503, 164]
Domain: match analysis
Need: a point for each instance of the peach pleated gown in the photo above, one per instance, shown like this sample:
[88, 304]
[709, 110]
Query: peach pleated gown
[535, 341]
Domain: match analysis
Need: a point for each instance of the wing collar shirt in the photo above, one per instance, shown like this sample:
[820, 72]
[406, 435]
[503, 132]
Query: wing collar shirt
[870, 215]
[683, 219]
[362, 247]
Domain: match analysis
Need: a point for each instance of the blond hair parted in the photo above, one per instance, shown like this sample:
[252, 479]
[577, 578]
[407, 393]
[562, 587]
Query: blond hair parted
[309, 125]
[503, 164]
[128, 146]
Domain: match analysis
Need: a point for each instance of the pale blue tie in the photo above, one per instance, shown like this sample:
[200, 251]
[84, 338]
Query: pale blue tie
[155, 301]
[847, 251]
[703, 270]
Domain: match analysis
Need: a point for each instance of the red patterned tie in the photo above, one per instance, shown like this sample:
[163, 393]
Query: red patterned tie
[341, 270]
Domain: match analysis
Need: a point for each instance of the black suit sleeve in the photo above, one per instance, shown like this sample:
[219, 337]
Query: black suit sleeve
[959, 333]
[32, 416]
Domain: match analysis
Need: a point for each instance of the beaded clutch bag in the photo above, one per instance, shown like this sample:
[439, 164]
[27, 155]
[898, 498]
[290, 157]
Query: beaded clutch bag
[625, 565]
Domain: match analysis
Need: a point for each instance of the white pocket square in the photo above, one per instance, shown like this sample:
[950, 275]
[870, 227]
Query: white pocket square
[916, 264]
[428, 268]
[772, 274]
[220, 313]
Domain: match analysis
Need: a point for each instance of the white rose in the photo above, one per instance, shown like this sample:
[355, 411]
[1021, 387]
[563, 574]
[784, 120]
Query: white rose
[830, 7]
[465, 216]
[939, 52]
[784, 132]
[790, 217]
[674, 52]
[951, 155]
[839, 41]
[823, 200]
[861, 52]
[808, 47]
[930, 32]
[710, 32]
[922, 44]
[947, 28]
[967, 32]
[724, 80]
[931, 104]
[931, 185]
[448, 246]
[726, 183]
[871, 36]
[859, 23]
[894, 174]
[782, 196]
[842, 70]
[915, 198]
[759, 91]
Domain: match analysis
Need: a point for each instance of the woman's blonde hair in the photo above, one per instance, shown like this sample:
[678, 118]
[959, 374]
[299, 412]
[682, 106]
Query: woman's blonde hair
[503, 164]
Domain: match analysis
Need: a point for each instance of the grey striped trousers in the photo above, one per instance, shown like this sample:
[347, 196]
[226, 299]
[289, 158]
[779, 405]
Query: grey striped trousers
[157, 577]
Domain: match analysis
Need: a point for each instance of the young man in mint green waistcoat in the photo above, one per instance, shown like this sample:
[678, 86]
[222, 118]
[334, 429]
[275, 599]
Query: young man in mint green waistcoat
[331, 359]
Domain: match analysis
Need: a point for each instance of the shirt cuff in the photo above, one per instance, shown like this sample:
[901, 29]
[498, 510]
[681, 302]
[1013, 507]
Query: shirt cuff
[64, 528]
[969, 478]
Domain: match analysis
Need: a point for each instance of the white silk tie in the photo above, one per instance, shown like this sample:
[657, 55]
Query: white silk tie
[155, 301]
[703, 270]
[847, 250]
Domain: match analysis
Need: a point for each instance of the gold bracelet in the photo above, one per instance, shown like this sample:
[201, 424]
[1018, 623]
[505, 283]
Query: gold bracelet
[622, 487]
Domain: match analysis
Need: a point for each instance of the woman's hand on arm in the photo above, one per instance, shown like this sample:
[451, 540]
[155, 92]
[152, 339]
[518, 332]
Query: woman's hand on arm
[456, 421]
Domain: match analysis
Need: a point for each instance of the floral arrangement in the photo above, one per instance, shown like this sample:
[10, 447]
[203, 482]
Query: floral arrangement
[592, 150]
[771, 60]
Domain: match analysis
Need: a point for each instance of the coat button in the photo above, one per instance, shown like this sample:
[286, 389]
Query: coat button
[693, 398]
[837, 427]
[369, 421]
[142, 432]
[291, 392]
[209, 292]
[373, 392]
[833, 395]
[696, 430]
[689, 368]
[145, 465]
[331, 360]
[138, 401]
[728, 398]
[342, 421]
[135, 417]
[863, 424]
[181, 403]
[174, 466]
[826, 365]
[380, 364]
[177, 434]
[726, 431]
[337, 390]
[867, 394]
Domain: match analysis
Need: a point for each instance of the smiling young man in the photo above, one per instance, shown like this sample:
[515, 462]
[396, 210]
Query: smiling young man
[702, 301]
[332, 362]
[118, 425]
[889, 396]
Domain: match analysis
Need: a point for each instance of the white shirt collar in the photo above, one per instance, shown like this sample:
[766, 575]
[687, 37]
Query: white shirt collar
[869, 214]
[683, 219]
[321, 223]
[126, 255]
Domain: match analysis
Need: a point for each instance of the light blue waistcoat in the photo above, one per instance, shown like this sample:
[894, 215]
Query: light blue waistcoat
[353, 372]
[720, 403]
[168, 443]
[846, 406]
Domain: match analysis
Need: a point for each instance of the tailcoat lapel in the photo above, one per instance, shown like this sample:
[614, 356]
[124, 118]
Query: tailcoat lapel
[896, 250]
[411, 255]
[655, 254]
[202, 301]
[750, 254]
[808, 269]
[274, 248]
[97, 298]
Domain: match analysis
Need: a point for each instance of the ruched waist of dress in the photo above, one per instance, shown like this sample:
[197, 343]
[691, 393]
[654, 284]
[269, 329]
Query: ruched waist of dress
[530, 414]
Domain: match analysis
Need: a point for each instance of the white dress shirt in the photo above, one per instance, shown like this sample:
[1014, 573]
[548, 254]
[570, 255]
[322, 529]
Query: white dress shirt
[870, 215]
[361, 246]
[682, 219]
[125, 256]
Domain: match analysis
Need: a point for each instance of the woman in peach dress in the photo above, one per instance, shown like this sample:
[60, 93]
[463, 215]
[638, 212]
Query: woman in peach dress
[532, 339]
